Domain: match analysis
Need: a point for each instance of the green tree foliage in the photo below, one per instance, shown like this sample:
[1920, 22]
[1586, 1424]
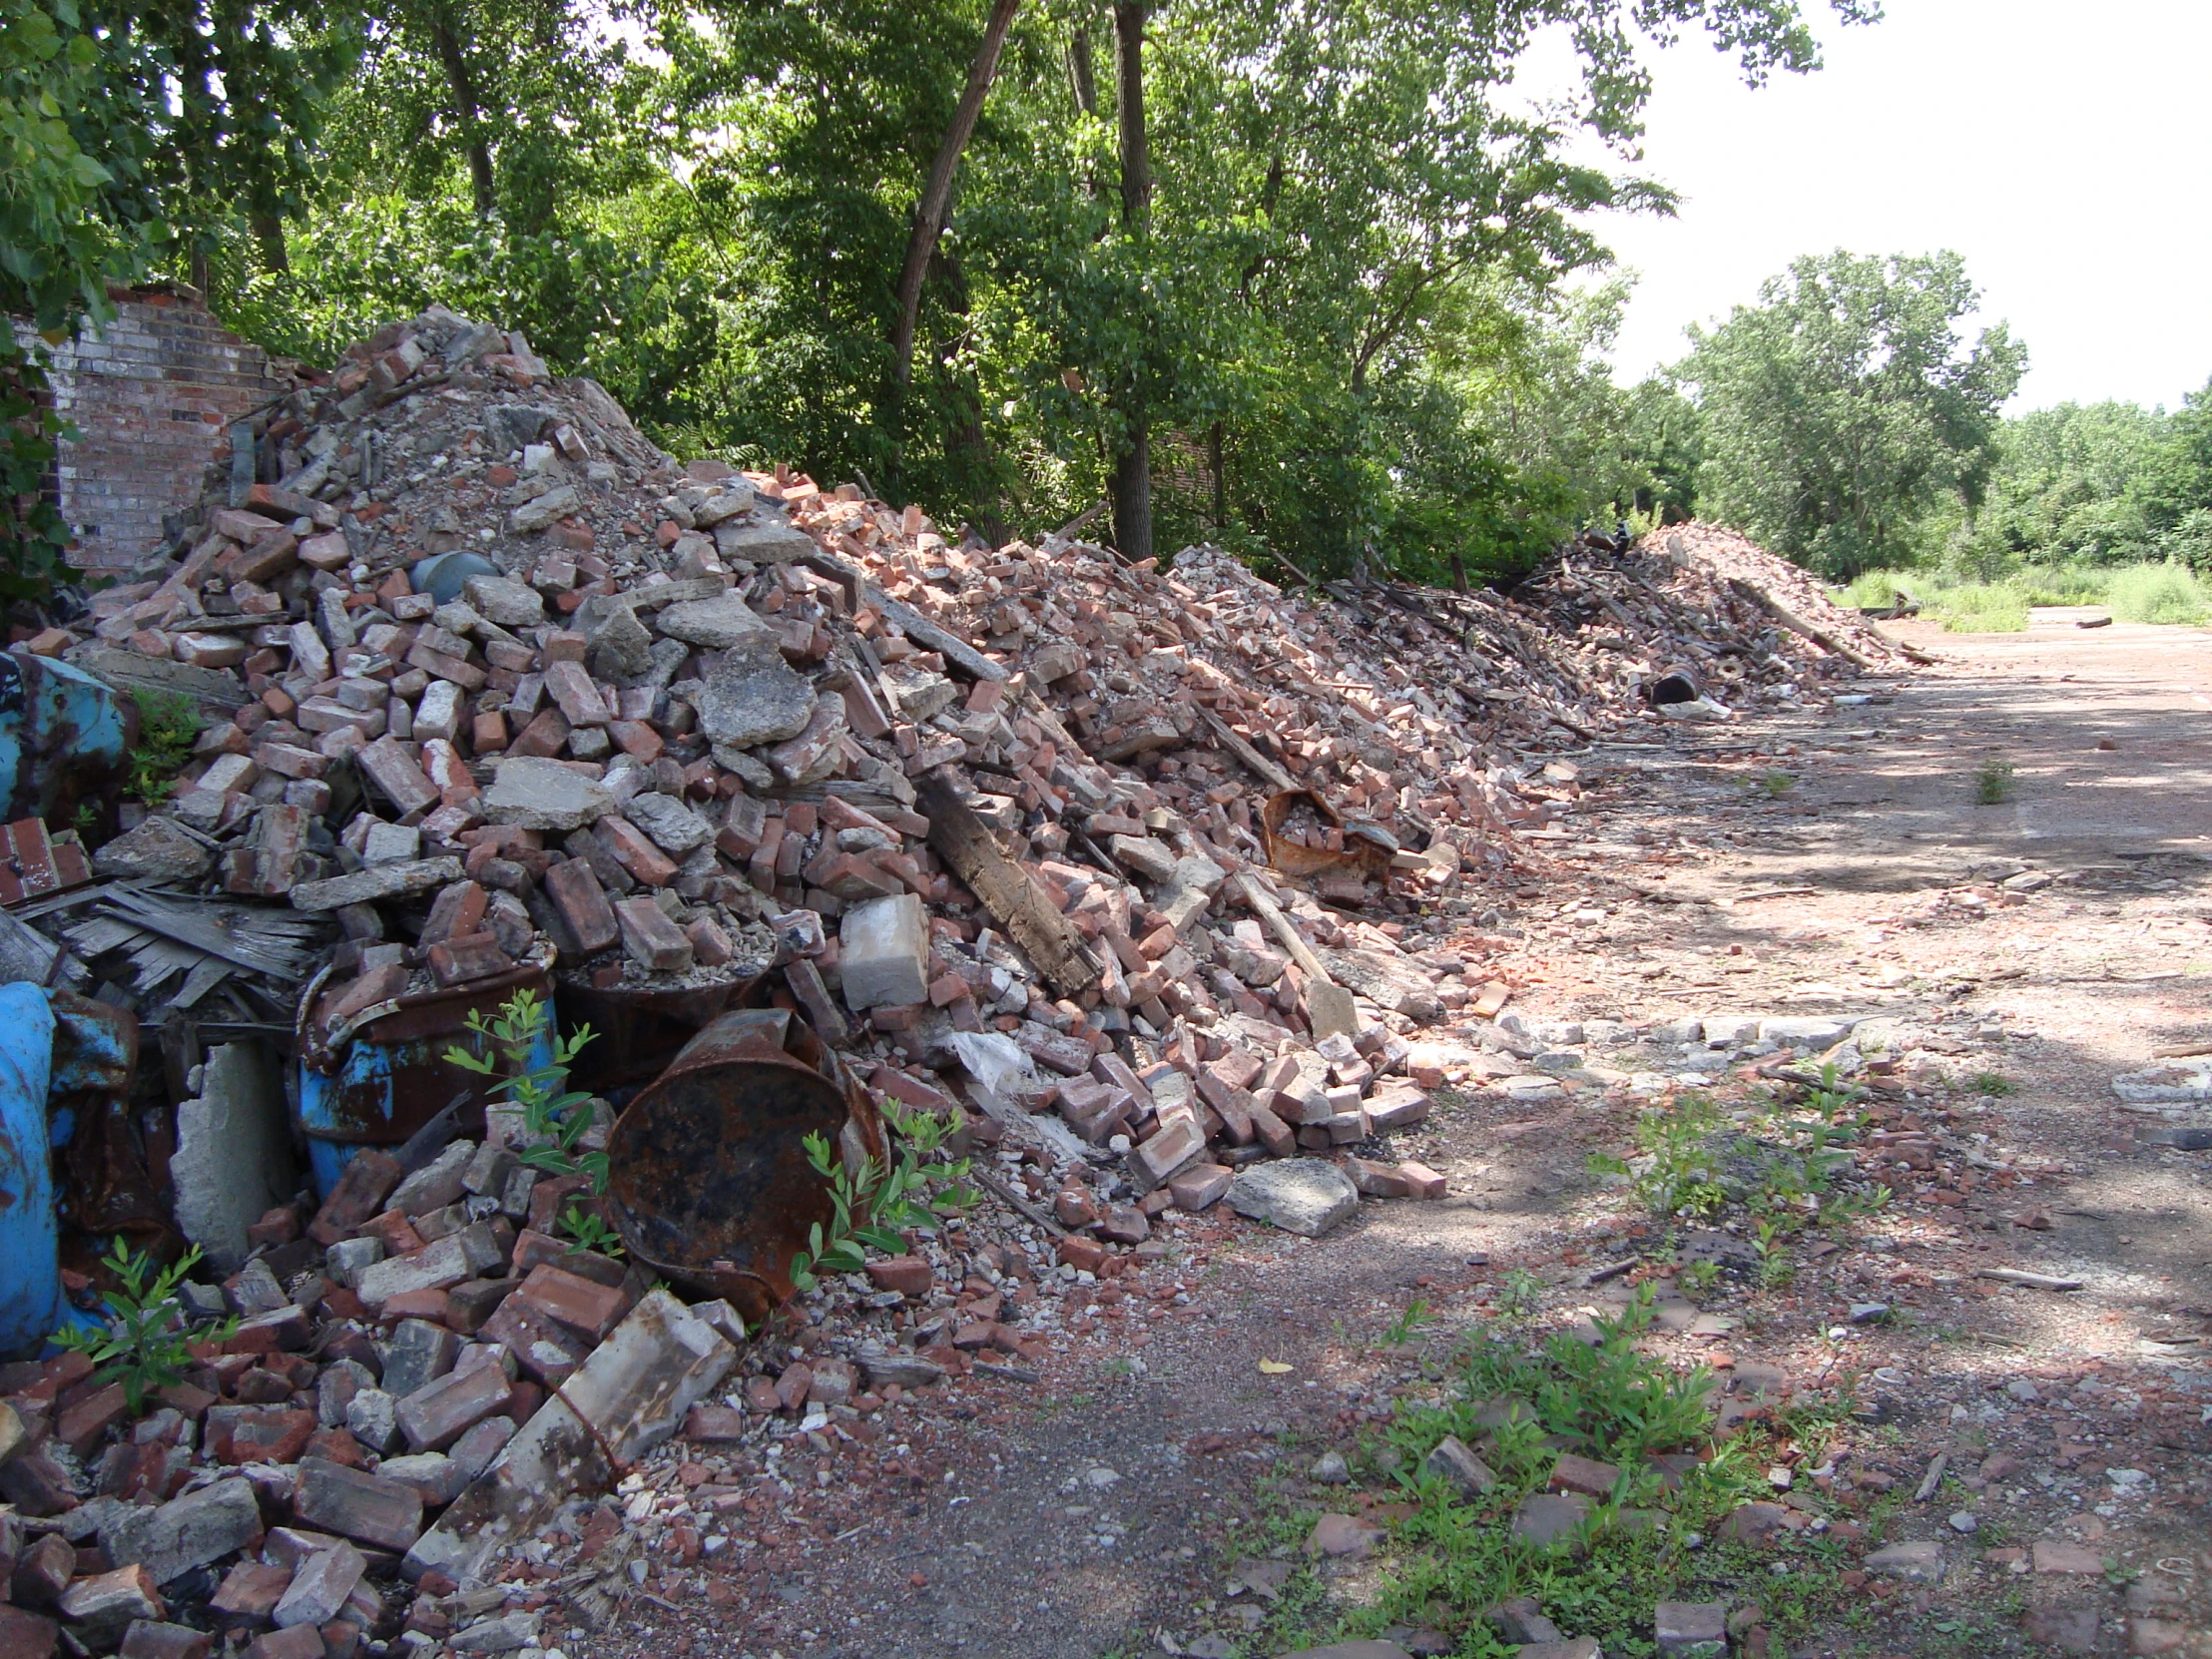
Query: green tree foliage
[1844, 408]
[134, 134]
[2094, 485]
[1301, 280]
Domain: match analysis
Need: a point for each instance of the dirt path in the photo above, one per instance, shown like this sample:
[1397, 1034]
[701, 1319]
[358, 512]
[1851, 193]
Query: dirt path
[1830, 863]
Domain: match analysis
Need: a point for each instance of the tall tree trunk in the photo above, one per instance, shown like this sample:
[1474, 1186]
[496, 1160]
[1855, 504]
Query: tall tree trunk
[268, 231]
[1136, 149]
[1079, 68]
[468, 109]
[966, 442]
[936, 194]
[1084, 78]
[1132, 478]
[1216, 462]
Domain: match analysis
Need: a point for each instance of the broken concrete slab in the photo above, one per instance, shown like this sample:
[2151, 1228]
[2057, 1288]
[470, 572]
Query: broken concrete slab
[722, 624]
[233, 1160]
[753, 697]
[631, 1394]
[536, 793]
[1299, 1195]
[171, 1539]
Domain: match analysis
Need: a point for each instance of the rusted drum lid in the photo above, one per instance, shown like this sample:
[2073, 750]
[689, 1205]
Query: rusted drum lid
[708, 1179]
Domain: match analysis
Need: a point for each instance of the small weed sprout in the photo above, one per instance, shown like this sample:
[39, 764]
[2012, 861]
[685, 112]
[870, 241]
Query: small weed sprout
[1992, 785]
[1993, 1083]
[1698, 1279]
[1673, 1171]
[869, 1205]
[168, 724]
[1774, 782]
[554, 1117]
[148, 1343]
[1408, 1324]
[1521, 1294]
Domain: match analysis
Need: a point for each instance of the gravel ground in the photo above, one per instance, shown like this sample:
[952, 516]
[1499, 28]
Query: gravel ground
[1822, 863]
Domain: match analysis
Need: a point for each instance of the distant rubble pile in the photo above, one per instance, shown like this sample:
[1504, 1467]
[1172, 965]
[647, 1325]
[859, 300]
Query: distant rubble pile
[1138, 876]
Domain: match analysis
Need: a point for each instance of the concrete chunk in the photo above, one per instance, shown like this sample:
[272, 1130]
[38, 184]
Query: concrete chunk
[630, 1395]
[753, 697]
[884, 946]
[718, 624]
[536, 794]
[1299, 1195]
[186, 1532]
[367, 887]
[234, 1152]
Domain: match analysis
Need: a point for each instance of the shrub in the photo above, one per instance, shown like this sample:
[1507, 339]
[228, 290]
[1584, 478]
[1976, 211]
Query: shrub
[2166, 593]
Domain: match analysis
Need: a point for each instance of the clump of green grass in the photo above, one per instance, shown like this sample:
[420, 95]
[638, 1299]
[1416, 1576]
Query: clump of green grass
[169, 721]
[1992, 785]
[1606, 1399]
[2165, 593]
[1979, 608]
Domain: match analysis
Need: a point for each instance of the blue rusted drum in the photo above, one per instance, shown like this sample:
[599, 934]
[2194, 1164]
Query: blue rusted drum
[30, 1266]
[64, 738]
[384, 1074]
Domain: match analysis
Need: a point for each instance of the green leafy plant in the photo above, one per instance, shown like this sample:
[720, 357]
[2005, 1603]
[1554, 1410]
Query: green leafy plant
[1521, 1294]
[1403, 1328]
[1674, 1170]
[1989, 1082]
[1776, 1267]
[870, 1203]
[168, 724]
[555, 1119]
[1698, 1279]
[147, 1340]
[1992, 785]
[1774, 782]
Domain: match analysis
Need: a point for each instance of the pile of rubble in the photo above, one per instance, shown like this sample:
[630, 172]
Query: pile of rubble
[1126, 873]
[416, 1332]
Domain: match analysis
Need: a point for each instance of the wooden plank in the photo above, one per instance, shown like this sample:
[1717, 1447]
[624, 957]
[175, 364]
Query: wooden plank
[1250, 757]
[175, 922]
[911, 622]
[1012, 896]
[1798, 625]
[1262, 906]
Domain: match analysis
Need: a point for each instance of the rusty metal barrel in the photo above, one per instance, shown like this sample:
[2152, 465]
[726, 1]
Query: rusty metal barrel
[708, 1178]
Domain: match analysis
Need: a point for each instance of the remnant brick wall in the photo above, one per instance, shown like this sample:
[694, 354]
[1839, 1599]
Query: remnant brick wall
[151, 392]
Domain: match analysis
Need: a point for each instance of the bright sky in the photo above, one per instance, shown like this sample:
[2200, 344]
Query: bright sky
[2058, 146]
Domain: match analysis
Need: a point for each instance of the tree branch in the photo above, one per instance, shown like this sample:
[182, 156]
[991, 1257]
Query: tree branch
[936, 194]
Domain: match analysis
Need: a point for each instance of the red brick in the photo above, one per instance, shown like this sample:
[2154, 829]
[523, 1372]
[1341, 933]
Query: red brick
[630, 848]
[575, 1302]
[366, 1182]
[462, 960]
[582, 901]
[82, 1426]
[149, 1639]
[653, 941]
[357, 1505]
[440, 1411]
[911, 1276]
[1083, 1254]
[302, 1641]
[545, 1348]
[26, 1635]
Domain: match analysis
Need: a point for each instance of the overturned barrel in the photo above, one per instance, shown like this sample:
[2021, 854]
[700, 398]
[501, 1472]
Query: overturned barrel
[708, 1179]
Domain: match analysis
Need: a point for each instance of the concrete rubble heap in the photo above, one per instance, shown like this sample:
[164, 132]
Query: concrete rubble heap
[993, 818]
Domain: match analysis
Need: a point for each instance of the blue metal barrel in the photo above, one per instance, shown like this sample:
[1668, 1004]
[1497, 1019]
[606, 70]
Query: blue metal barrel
[31, 1303]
